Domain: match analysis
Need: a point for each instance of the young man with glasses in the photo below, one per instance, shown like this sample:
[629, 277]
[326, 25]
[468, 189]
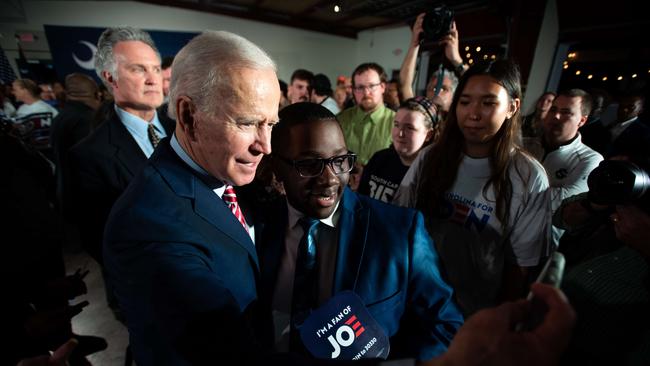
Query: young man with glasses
[367, 125]
[381, 252]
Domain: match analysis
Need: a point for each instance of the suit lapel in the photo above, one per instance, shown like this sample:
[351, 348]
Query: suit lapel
[353, 231]
[207, 204]
[127, 151]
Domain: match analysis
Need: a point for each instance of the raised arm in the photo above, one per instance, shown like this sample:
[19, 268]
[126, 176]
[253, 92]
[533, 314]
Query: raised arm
[407, 72]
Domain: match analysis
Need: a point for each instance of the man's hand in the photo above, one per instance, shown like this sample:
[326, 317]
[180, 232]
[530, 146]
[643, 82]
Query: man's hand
[58, 358]
[450, 43]
[417, 30]
[488, 337]
[72, 286]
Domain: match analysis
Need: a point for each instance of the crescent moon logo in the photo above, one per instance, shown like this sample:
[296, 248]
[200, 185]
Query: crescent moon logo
[89, 64]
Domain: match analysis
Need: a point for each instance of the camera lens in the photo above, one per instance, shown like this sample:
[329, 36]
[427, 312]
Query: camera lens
[616, 182]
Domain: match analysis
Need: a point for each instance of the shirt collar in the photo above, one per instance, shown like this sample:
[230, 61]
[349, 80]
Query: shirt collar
[331, 221]
[138, 126]
[217, 188]
[375, 115]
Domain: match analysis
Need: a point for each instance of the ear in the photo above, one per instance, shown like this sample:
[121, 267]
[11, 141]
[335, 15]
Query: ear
[583, 120]
[185, 116]
[109, 78]
[513, 107]
[429, 135]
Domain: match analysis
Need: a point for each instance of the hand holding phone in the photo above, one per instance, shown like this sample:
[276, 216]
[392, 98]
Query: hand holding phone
[551, 274]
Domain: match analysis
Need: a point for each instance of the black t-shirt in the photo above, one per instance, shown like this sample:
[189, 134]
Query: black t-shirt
[382, 175]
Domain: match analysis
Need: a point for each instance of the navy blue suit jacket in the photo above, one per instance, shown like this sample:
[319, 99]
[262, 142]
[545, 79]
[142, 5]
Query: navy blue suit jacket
[101, 167]
[385, 256]
[183, 268]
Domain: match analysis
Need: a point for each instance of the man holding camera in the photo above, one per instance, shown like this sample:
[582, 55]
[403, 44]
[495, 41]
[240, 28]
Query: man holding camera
[441, 86]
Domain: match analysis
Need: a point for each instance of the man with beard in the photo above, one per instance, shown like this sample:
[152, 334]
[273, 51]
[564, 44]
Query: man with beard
[367, 125]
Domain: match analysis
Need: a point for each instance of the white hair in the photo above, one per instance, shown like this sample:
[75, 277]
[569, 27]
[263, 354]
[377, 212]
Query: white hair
[204, 69]
[105, 58]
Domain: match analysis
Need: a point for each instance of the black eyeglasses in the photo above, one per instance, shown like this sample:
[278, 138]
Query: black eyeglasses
[308, 168]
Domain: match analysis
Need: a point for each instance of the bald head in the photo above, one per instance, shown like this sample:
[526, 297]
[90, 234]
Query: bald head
[82, 88]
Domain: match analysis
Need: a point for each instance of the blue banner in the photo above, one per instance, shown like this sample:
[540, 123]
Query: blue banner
[73, 48]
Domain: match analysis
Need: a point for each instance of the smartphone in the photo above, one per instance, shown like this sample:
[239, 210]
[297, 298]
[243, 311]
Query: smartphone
[551, 274]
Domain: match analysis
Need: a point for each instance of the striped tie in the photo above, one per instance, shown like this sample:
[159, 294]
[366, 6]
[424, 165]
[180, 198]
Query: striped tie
[230, 198]
[153, 136]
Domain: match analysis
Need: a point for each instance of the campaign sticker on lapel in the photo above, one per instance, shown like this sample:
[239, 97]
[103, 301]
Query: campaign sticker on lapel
[343, 329]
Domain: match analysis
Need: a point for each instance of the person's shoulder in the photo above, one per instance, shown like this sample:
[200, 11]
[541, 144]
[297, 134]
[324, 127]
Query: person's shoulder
[347, 114]
[528, 169]
[382, 155]
[384, 114]
[586, 154]
[387, 213]
[96, 141]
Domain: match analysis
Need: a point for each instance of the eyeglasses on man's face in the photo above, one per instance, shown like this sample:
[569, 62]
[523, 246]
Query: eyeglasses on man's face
[308, 168]
[363, 88]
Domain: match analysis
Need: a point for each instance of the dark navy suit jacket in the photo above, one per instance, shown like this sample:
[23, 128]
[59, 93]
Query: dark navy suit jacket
[101, 167]
[385, 256]
[183, 268]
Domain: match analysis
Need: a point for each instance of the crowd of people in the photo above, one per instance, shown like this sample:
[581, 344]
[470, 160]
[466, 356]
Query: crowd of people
[226, 207]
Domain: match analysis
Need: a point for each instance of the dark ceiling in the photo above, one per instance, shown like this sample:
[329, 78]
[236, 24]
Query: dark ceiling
[319, 15]
[606, 35]
[579, 19]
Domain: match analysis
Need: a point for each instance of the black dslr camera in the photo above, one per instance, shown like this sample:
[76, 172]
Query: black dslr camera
[618, 182]
[436, 23]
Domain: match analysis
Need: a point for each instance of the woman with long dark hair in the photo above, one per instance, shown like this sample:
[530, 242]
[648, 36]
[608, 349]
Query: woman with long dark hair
[482, 195]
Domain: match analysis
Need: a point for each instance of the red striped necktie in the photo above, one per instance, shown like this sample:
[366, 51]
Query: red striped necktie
[230, 198]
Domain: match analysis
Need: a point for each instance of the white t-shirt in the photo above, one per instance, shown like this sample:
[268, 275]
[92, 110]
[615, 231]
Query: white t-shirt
[36, 107]
[471, 241]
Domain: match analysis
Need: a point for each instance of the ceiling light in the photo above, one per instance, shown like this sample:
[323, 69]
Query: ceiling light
[466, 48]
[485, 57]
[634, 76]
[578, 72]
[590, 77]
[337, 8]
[604, 78]
[468, 55]
[478, 49]
[493, 57]
[619, 78]
[565, 67]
